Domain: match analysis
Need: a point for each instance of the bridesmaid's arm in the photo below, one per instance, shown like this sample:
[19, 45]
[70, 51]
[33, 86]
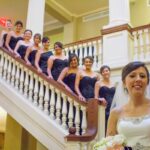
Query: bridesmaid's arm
[16, 48]
[49, 66]
[1, 38]
[62, 76]
[96, 89]
[77, 82]
[8, 41]
[37, 59]
[28, 51]
[112, 122]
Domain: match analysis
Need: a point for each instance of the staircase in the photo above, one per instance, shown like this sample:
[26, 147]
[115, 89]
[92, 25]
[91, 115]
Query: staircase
[46, 109]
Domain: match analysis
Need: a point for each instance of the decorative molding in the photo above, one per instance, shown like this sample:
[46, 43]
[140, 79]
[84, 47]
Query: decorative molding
[96, 15]
[116, 29]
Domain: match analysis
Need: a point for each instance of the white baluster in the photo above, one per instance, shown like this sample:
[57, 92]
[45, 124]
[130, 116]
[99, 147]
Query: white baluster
[21, 79]
[90, 48]
[71, 49]
[31, 87]
[99, 53]
[67, 52]
[94, 55]
[147, 44]
[135, 54]
[77, 118]
[76, 50]
[17, 78]
[84, 146]
[13, 73]
[26, 83]
[70, 115]
[52, 103]
[1, 63]
[85, 50]
[80, 55]
[9, 69]
[84, 120]
[41, 94]
[36, 90]
[141, 45]
[64, 111]
[58, 107]
[46, 99]
[5, 67]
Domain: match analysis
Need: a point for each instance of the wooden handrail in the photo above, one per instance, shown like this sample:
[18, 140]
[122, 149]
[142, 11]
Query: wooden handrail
[141, 27]
[82, 41]
[45, 78]
[92, 126]
[116, 29]
[91, 105]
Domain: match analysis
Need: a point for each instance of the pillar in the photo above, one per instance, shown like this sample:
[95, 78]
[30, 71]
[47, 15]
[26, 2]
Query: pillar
[35, 16]
[13, 134]
[119, 13]
[117, 41]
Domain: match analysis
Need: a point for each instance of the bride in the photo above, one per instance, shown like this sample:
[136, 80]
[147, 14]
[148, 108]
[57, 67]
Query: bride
[132, 119]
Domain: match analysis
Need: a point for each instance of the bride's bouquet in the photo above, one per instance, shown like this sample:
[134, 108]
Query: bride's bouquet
[116, 142]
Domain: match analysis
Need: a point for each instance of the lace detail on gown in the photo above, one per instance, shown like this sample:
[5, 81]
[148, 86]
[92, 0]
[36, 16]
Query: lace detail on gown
[136, 130]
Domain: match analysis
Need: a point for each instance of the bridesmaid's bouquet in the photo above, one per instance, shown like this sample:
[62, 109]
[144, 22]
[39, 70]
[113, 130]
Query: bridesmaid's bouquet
[117, 142]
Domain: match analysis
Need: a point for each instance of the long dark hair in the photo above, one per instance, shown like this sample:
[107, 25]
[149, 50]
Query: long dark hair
[133, 66]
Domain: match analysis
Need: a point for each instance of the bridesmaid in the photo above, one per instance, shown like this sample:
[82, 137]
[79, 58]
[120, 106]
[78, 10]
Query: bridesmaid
[4, 33]
[14, 36]
[57, 62]
[85, 80]
[105, 88]
[22, 45]
[68, 75]
[42, 56]
[31, 51]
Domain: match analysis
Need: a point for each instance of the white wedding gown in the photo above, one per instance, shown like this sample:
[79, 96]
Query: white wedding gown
[136, 130]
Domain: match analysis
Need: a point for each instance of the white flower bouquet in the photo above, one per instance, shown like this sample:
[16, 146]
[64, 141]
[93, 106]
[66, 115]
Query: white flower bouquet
[116, 142]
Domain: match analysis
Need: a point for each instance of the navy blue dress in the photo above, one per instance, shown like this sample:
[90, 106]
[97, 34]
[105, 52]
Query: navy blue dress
[108, 94]
[22, 50]
[43, 61]
[31, 57]
[13, 41]
[86, 86]
[58, 66]
[70, 81]
[4, 39]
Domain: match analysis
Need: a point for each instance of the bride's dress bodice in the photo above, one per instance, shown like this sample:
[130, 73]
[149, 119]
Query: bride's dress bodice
[136, 130]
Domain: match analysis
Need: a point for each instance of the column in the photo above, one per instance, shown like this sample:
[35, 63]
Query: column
[13, 134]
[70, 32]
[35, 16]
[119, 13]
[117, 39]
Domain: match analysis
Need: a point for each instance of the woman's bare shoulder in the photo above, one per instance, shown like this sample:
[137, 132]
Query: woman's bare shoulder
[117, 111]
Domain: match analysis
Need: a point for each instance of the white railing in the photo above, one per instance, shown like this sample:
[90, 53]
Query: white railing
[62, 107]
[90, 47]
[141, 37]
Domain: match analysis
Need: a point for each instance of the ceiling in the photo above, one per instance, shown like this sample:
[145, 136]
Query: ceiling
[73, 8]
[81, 7]
[58, 12]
